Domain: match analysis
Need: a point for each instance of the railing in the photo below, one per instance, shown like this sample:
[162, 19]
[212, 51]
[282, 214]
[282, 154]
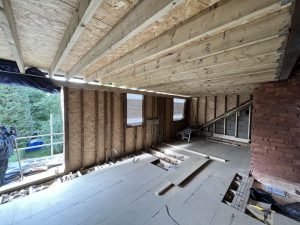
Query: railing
[51, 135]
[51, 144]
[43, 145]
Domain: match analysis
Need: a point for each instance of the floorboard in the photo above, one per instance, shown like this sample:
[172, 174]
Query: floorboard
[125, 194]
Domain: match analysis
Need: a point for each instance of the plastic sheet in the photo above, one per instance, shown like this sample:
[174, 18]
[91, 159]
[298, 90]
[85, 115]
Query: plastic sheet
[34, 81]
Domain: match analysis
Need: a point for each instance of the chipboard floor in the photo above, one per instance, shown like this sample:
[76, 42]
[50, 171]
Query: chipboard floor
[125, 194]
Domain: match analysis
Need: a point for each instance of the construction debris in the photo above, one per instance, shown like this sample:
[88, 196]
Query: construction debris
[8, 197]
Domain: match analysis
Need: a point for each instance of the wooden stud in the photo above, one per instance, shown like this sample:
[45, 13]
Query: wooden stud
[236, 125]
[105, 125]
[237, 116]
[215, 113]
[197, 111]
[225, 118]
[249, 121]
[135, 139]
[96, 127]
[124, 120]
[112, 102]
[205, 109]
[153, 126]
[145, 144]
[82, 126]
[66, 129]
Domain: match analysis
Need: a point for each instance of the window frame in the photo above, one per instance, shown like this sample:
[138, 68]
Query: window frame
[184, 110]
[126, 114]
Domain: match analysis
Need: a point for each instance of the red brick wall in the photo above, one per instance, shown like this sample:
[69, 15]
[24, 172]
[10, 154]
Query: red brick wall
[275, 145]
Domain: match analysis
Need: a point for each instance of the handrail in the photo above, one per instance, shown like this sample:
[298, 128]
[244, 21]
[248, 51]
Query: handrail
[38, 146]
[41, 135]
[44, 145]
[227, 114]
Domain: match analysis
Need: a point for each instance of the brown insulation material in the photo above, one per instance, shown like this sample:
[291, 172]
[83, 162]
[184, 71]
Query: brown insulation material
[109, 109]
[194, 112]
[117, 124]
[155, 116]
[101, 131]
[129, 148]
[168, 119]
[105, 17]
[231, 102]
[139, 138]
[73, 154]
[210, 108]
[224, 103]
[89, 129]
[5, 52]
[220, 105]
[244, 98]
[148, 121]
[201, 110]
[94, 127]
[41, 26]
[179, 13]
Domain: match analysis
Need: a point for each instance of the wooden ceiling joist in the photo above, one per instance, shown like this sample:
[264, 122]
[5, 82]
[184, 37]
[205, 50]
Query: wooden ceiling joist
[80, 18]
[183, 47]
[239, 56]
[146, 14]
[176, 82]
[9, 27]
[292, 52]
[244, 41]
[190, 32]
[209, 72]
[213, 86]
[240, 89]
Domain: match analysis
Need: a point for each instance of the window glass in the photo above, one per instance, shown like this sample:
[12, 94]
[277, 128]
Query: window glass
[178, 108]
[134, 109]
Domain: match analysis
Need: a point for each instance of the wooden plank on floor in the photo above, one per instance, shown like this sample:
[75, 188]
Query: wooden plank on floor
[182, 173]
[188, 167]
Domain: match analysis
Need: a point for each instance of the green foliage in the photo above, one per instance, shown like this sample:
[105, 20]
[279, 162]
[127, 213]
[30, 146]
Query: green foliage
[29, 110]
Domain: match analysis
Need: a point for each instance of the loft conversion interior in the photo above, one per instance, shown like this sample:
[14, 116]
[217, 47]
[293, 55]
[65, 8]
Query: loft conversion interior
[166, 112]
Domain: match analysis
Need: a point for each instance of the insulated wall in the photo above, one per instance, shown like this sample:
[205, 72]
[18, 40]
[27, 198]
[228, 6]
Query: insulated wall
[206, 108]
[96, 130]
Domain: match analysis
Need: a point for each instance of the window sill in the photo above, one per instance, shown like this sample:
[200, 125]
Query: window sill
[134, 125]
[178, 120]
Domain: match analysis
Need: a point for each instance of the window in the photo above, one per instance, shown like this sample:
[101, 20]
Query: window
[134, 109]
[178, 109]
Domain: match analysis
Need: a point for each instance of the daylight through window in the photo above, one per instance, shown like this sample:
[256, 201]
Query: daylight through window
[134, 109]
[178, 108]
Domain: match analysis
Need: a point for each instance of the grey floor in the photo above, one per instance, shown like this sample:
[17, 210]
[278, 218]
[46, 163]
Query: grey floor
[125, 194]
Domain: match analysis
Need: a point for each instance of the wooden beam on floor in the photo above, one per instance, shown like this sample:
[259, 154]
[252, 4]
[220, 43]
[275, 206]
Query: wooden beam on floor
[80, 18]
[7, 22]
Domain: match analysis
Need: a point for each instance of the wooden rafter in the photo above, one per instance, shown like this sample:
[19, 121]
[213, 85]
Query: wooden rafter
[81, 16]
[142, 16]
[292, 52]
[196, 57]
[9, 28]
[187, 33]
